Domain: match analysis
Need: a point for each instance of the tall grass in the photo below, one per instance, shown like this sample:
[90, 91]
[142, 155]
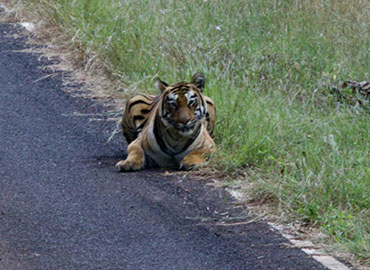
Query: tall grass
[269, 65]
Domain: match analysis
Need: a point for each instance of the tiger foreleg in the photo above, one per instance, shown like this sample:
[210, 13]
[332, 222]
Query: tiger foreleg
[135, 159]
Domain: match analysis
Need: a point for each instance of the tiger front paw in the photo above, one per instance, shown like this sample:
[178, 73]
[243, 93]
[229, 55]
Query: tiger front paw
[192, 161]
[127, 165]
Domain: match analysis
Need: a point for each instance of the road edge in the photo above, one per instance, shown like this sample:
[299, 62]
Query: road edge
[306, 246]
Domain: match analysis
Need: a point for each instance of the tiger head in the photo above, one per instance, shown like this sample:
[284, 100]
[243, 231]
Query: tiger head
[183, 106]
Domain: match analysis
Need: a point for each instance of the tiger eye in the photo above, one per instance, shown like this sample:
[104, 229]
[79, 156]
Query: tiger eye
[193, 104]
[172, 105]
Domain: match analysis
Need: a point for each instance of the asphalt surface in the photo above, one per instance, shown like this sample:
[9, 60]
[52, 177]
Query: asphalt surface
[63, 205]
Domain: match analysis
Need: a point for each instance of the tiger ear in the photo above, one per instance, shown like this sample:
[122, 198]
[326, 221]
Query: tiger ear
[161, 85]
[199, 80]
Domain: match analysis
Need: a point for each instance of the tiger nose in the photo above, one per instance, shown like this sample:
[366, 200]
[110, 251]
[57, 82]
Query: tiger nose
[184, 121]
[183, 118]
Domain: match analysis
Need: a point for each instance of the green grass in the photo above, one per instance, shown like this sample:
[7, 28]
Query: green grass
[269, 65]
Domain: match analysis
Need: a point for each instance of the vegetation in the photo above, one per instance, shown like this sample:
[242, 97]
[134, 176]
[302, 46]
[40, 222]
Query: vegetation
[269, 66]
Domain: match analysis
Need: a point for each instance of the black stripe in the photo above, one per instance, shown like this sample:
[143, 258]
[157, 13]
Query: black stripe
[142, 124]
[151, 98]
[190, 141]
[159, 137]
[210, 103]
[138, 117]
[175, 89]
[145, 111]
[138, 102]
[204, 107]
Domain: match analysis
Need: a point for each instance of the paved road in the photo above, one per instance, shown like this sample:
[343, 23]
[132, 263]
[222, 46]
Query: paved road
[63, 206]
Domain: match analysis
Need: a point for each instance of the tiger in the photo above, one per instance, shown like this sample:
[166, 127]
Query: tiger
[361, 88]
[173, 129]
